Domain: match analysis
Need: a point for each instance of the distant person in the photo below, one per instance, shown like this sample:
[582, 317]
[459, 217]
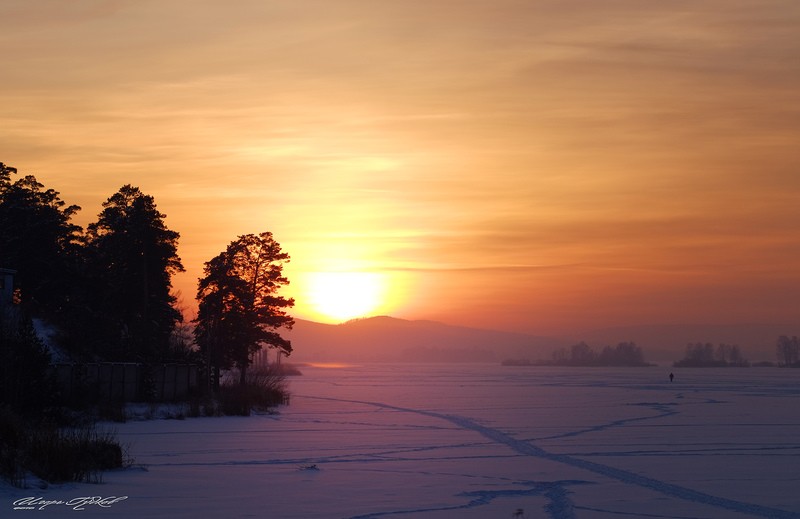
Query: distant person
[671, 376]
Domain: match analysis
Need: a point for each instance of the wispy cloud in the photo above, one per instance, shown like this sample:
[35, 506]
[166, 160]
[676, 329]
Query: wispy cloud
[556, 151]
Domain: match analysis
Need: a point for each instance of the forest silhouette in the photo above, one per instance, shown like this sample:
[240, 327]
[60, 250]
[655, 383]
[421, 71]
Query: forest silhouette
[107, 291]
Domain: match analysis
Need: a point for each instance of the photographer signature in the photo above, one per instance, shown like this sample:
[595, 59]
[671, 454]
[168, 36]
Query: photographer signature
[78, 503]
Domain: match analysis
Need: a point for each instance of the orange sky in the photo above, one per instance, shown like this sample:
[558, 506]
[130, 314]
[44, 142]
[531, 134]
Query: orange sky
[543, 166]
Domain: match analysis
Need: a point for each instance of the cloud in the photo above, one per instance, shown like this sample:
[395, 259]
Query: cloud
[558, 147]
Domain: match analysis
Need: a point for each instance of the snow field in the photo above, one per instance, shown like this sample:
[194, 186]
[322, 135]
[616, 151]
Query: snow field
[468, 441]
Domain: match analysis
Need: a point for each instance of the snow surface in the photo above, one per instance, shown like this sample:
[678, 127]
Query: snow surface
[467, 441]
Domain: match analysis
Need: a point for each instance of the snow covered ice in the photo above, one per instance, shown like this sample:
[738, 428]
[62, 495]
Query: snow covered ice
[471, 441]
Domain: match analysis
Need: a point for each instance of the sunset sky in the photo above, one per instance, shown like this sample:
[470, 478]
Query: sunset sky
[541, 166]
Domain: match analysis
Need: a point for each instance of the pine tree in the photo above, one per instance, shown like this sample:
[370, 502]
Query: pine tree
[239, 309]
[132, 256]
[39, 242]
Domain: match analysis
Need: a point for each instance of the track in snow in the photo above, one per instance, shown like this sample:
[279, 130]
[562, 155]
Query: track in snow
[560, 507]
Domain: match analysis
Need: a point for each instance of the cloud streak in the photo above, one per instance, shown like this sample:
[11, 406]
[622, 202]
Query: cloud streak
[535, 154]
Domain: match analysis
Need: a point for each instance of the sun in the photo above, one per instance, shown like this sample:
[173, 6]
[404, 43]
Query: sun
[340, 296]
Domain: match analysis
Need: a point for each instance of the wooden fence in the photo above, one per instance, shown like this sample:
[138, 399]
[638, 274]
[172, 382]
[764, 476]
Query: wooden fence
[125, 381]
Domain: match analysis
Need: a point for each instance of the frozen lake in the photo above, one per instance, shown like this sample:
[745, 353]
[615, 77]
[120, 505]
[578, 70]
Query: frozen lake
[468, 441]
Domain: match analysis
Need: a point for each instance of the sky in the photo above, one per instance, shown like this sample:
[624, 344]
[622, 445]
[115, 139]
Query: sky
[540, 166]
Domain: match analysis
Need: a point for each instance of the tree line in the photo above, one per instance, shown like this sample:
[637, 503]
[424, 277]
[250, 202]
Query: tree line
[787, 351]
[108, 292]
[706, 355]
[697, 354]
[581, 354]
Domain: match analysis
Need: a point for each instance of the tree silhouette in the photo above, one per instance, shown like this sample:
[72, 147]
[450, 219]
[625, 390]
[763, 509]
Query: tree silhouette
[581, 354]
[787, 350]
[624, 354]
[132, 256]
[705, 355]
[38, 241]
[239, 309]
[26, 384]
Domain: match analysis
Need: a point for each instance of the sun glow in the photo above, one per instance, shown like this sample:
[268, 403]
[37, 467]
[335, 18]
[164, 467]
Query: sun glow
[340, 296]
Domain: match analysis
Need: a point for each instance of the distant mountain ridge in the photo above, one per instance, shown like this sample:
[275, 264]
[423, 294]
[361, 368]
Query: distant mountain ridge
[389, 339]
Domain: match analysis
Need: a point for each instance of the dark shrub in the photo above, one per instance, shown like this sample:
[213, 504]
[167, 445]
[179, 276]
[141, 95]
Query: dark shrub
[12, 441]
[235, 400]
[74, 454]
[264, 388]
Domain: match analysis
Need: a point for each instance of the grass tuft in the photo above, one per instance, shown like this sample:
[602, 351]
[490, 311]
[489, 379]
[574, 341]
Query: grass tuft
[263, 390]
[55, 454]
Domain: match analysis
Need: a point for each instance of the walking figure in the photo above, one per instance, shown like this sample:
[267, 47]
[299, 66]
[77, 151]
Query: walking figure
[671, 376]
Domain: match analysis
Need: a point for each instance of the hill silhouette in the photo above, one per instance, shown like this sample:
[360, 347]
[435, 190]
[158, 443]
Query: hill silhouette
[388, 339]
